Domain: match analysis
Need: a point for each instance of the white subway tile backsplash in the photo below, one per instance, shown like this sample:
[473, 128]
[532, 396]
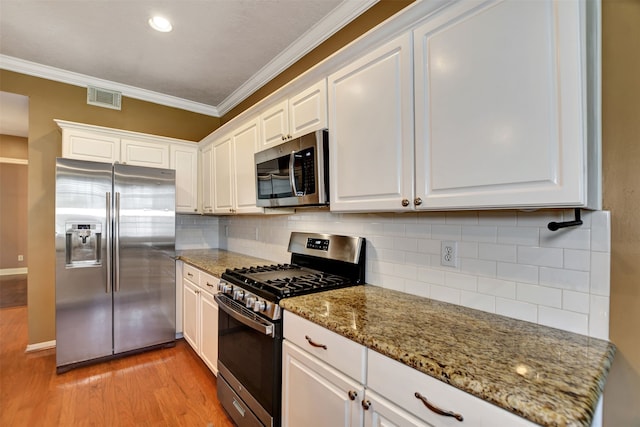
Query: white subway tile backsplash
[517, 309]
[478, 301]
[545, 257]
[600, 273]
[575, 301]
[565, 279]
[497, 287]
[508, 262]
[529, 236]
[540, 295]
[479, 233]
[495, 252]
[575, 259]
[561, 319]
[517, 272]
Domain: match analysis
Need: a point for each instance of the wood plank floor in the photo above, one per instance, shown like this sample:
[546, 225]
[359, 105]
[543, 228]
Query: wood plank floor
[167, 387]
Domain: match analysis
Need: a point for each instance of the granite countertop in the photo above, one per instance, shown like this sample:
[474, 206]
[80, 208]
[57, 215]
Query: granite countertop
[549, 376]
[216, 261]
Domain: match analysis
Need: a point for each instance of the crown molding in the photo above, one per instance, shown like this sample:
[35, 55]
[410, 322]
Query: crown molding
[338, 18]
[57, 74]
[344, 13]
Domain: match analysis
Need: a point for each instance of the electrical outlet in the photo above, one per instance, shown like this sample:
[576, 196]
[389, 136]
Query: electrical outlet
[20, 257]
[449, 253]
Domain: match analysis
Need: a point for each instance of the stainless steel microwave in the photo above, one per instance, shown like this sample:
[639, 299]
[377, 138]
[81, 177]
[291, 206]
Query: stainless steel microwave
[294, 173]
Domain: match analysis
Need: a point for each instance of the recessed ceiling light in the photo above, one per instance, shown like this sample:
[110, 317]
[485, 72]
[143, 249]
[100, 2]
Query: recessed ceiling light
[161, 24]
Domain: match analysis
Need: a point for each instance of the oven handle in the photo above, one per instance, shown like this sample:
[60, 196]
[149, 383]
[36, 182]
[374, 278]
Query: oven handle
[256, 323]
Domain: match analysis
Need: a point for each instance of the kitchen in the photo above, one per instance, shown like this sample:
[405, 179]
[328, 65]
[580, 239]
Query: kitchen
[257, 235]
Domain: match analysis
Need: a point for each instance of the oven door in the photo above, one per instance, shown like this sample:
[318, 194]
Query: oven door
[250, 363]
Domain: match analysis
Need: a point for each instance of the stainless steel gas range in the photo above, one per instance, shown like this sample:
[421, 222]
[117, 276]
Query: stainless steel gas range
[250, 324]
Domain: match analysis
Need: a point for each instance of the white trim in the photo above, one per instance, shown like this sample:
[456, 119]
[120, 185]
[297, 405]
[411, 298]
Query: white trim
[346, 12]
[14, 161]
[13, 271]
[45, 345]
[337, 19]
[51, 73]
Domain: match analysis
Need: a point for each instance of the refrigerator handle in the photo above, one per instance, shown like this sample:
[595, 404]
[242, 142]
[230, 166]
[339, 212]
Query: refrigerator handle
[109, 244]
[116, 237]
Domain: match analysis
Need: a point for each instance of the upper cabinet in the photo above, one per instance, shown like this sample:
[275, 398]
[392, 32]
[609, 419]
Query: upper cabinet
[502, 100]
[234, 176]
[303, 113]
[206, 178]
[100, 144]
[371, 130]
[500, 106]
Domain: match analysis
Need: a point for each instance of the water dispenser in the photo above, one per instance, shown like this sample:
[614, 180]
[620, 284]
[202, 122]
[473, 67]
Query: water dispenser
[83, 246]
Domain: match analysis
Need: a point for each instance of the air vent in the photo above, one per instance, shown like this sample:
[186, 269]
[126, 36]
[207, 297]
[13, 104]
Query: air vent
[104, 98]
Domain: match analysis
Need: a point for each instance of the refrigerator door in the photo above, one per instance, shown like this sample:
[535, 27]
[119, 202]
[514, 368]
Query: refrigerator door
[83, 289]
[144, 307]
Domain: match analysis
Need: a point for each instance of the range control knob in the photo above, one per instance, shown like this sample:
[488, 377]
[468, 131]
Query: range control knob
[259, 306]
[238, 295]
[225, 288]
[250, 302]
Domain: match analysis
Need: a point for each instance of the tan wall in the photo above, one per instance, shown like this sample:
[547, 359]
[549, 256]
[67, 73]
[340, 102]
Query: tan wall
[13, 203]
[49, 100]
[621, 173]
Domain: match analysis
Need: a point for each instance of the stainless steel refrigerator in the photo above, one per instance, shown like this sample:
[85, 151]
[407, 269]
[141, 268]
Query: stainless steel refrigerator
[115, 265]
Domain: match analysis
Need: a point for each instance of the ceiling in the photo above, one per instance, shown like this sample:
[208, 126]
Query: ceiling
[219, 52]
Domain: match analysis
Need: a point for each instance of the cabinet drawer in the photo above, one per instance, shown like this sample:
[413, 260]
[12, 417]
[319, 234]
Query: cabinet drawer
[209, 282]
[336, 350]
[399, 383]
[191, 273]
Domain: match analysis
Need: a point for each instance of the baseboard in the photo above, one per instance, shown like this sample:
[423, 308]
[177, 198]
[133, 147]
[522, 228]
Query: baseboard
[13, 271]
[40, 346]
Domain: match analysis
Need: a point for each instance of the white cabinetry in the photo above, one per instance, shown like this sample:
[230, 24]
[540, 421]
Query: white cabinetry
[200, 314]
[371, 130]
[303, 113]
[206, 178]
[399, 391]
[107, 145]
[500, 106]
[322, 376]
[234, 176]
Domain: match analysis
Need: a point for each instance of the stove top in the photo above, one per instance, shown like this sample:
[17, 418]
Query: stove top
[319, 262]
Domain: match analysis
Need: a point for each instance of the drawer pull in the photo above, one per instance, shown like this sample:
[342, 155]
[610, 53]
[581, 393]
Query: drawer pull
[353, 394]
[436, 409]
[315, 344]
[209, 285]
[189, 274]
[366, 404]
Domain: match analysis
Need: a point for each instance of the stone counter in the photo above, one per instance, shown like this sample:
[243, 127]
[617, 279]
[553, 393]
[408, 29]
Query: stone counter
[549, 376]
[216, 261]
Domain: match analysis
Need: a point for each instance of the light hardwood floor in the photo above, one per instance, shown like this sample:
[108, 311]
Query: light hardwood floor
[167, 387]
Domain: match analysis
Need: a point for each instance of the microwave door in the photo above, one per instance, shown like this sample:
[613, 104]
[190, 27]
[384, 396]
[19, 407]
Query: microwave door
[281, 185]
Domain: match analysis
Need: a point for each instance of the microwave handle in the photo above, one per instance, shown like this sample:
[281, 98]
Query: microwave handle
[292, 175]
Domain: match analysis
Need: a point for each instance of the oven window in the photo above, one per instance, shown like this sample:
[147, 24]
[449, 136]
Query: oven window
[253, 358]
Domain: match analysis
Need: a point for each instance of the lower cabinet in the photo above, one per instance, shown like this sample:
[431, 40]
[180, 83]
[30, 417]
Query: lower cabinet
[379, 412]
[200, 314]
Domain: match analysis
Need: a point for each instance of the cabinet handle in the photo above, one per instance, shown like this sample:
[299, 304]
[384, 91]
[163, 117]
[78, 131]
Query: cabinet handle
[405, 202]
[189, 274]
[353, 394]
[417, 201]
[366, 404]
[315, 344]
[284, 138]
[437, 410]
[209, 285]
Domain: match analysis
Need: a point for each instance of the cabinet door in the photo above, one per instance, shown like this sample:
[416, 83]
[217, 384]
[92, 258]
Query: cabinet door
[90, 146]
[184, 160]
[190, 313]
[209, 331]
[379, 412]
[308, 110]
[223, 176]
[144, 153]
[245, 141]
[499, 106]
[314, 394]
[206, 177]
[274, 125]
[371, 137]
